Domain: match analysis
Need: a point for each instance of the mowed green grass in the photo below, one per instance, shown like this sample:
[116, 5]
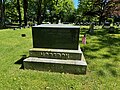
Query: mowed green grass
[102, 53]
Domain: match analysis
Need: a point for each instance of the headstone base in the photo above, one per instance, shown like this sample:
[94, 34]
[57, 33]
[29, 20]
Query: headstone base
[56, 53]
[56, 65]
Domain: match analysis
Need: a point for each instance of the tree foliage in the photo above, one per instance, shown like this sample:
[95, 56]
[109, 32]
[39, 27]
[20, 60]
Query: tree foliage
[97, 8]
[37, 11]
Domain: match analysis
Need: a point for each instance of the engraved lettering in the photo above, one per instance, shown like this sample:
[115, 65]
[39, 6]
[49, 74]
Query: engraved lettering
[68, 55]
[46, 53]
[54, 55]
[58, 55]
[51, 54]
[41, 53]
[63, 54]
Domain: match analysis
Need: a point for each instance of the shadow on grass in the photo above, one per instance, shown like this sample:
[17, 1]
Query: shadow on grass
[109, 65]
[101, 73]
[106, 56]
[116, 59]
[90, 56]
[88, 48]
[103, 45]
[83, 31]
[20, 61]
[112, 43]
[113, 73]
[10, 26]
[112, 69]
[104, 40]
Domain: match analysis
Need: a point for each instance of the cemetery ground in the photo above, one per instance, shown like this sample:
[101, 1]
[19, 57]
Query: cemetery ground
[102, 53]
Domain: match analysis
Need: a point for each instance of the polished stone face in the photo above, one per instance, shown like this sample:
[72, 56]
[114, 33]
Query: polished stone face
[56, 36]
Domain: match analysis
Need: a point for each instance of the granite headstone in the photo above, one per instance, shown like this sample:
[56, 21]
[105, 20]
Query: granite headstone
[56, 48]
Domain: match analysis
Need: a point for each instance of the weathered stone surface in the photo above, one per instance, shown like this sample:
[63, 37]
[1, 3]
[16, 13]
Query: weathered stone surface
[56, 48]
[55, 53]
[56, 65]
[56, 36]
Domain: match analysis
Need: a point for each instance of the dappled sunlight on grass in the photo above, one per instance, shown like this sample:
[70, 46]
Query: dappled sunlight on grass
[103, 50]
[102, 53]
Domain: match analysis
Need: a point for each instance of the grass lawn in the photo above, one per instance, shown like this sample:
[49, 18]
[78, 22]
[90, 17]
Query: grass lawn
[102, 53]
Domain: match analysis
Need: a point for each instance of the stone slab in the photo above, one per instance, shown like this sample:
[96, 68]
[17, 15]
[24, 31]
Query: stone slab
[56, 36]
[56, 26]
[56, 65]
[55, 53]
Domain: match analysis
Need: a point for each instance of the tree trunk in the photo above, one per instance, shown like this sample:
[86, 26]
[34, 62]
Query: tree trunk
[19, 13]
[44, 11]
[100, 19]
[39, 13]
[51, 17]
[25, 6]
[56, 2]
[2, 7]
[0, 13]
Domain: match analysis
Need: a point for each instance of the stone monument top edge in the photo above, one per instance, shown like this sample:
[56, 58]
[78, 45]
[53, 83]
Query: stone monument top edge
[56, 26]
[55, 50]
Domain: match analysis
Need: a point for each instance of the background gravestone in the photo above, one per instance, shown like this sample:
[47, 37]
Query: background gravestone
[56, 48]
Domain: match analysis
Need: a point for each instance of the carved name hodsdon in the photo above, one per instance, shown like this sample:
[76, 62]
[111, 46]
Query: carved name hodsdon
[55, 55]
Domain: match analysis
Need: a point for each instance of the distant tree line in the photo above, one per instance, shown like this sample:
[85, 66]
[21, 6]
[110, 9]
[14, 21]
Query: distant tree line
[36, 11]
[53, 11]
